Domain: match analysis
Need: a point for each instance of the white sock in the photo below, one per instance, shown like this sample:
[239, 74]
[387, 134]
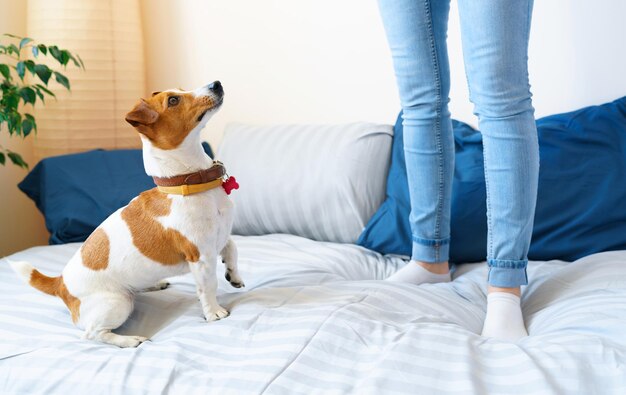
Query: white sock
[414, 273]
[504, 320]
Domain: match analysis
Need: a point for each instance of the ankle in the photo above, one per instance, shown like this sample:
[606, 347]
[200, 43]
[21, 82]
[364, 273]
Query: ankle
[417, 274]
[517, 291]
[434, 267]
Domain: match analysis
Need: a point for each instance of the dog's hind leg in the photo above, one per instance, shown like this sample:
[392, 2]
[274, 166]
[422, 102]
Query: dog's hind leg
[159, 286]
[106, 336]
[103, 312]
[229, 257]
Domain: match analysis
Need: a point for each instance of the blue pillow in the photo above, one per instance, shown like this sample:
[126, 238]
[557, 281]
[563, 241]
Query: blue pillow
[76, 192]
[580, 202]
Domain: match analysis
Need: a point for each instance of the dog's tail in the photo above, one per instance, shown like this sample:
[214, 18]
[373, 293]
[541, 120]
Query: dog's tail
[34, 278]
[51, 285]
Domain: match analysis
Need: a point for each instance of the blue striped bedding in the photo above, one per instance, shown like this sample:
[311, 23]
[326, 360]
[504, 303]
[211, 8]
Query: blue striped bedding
[315, 318]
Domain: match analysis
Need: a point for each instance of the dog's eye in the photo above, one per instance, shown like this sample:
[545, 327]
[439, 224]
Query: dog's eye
[173, 100]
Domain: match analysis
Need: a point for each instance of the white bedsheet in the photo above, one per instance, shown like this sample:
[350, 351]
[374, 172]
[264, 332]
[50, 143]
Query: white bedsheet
[314, 318]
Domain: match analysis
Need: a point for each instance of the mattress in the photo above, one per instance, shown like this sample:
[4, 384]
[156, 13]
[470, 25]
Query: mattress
[316, 318]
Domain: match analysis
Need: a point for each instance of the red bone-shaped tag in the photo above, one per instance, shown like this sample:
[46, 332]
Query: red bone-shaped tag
[230, 184]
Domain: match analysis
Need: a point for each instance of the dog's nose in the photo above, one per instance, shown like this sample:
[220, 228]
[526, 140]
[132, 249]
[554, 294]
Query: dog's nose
[216, 87]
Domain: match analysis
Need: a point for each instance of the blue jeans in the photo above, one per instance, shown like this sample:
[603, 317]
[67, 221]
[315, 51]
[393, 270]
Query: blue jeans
[495, 46]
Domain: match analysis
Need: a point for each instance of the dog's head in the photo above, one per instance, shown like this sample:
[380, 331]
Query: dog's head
[168, 117]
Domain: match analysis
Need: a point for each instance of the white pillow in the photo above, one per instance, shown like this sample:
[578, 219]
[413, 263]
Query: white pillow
[323, 182]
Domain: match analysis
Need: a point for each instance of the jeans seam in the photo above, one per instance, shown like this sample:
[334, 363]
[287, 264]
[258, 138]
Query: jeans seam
[430, 242]
[529, 15]
[507, 264]
[438, 101]
[488, 204]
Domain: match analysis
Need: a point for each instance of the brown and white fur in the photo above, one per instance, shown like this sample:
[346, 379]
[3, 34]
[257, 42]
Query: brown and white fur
[157, 235]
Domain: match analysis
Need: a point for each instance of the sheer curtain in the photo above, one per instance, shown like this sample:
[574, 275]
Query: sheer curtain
[107, 34]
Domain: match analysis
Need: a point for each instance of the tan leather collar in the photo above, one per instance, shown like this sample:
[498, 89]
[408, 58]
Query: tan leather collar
[191, 189]
[199, 177]
[211, 178]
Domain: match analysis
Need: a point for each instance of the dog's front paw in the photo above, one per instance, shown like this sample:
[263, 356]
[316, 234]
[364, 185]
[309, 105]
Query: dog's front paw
[216, 314]
[234, 280]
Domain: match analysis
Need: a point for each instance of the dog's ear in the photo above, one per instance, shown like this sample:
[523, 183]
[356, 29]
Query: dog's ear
[142, 116]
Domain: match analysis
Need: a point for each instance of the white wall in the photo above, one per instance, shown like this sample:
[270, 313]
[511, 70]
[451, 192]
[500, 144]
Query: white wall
[280, 61]
[328, 61]
[577, 53]
[577, 56]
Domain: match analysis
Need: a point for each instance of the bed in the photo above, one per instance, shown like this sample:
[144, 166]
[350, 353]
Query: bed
[315, 317]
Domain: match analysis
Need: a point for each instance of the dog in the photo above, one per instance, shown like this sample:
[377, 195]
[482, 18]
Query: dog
[182, 225]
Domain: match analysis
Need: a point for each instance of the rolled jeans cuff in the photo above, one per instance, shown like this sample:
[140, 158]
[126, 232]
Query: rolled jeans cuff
[430, 250]
[507, 273]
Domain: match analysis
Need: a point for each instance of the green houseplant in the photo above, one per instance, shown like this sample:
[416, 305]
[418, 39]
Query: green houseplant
[15, 64]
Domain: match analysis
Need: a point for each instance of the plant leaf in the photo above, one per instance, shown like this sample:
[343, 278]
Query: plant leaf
[2, 158]
[57, 54]
[61, 79]
[11, 101]
[43, 72]
[43, 49]
[65, 57]
[17, 159]
[30, 65]
[21, 69]
[14, 123]
[81, 61]
[25, 41]
[35, 51]
[48, 91]
[6, 72]
[13, 49]
[41, 96]
[75, 61]
[28, 95]
[31, 119]
[27, 127]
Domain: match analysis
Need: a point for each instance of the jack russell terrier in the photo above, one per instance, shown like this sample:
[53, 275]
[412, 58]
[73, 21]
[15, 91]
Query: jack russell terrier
[181, 225]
